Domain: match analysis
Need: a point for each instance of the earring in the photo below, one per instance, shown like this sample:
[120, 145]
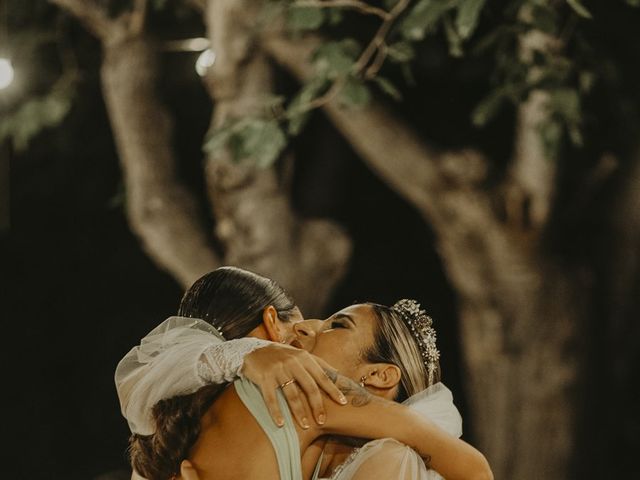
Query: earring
[362, 379]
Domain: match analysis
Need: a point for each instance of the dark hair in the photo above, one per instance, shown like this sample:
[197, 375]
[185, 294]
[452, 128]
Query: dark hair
[393, 343]
[158, 456]
[233, 300]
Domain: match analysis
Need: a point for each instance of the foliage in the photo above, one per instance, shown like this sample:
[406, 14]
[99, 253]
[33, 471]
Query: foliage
[38, 113]
[351, 71]
[566, 72]
[344, 67]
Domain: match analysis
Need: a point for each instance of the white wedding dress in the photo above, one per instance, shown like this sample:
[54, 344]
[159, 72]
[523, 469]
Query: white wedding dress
[387, 458]
[183, 354]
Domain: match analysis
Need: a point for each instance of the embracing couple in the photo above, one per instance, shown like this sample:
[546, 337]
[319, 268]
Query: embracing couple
[240, 386]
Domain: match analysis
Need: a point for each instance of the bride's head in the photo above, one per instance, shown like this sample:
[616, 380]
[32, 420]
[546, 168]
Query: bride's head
[391, 350]
[241, 303]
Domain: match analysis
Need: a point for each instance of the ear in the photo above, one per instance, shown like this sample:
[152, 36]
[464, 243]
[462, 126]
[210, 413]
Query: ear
[272, 324]
[383, 376]
[187, 471]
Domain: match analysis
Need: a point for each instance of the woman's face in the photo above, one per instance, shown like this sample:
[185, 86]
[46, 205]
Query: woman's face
[341, 339]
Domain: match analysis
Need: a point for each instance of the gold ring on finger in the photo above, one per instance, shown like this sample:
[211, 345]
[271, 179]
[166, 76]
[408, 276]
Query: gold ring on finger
[288, 382]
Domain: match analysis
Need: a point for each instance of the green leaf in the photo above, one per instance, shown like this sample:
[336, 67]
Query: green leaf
[408, 75]
[401, 52]
[39, 113]
[586, 80]
[159, 5]
[389, 88]
[579, 8]
[423, 18]
[468, 16]
[495, 39]
[305, 18]
[336, 59]
[335, 16]
[454, 39]
[218, 139]
[260, 140]
[488, 108]
[354, 93]
[566, 103]
[575, 135]
[297, 111]
[551, 132]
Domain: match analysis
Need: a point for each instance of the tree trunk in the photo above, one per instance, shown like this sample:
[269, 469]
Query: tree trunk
[255, 219]
[518, 312]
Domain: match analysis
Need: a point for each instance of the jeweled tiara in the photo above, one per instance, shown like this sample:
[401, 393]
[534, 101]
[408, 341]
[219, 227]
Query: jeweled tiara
[421, 326]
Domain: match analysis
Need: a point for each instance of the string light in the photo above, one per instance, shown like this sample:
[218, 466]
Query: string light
[6, 73]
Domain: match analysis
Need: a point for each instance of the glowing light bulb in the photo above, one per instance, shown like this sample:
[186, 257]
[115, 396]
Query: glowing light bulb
[205, 60]
[6, 73]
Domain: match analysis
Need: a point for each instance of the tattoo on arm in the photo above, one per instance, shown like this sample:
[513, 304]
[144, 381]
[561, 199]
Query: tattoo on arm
[359, 395]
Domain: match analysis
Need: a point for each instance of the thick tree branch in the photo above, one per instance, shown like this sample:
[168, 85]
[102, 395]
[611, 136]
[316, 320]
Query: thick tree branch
[161, 211]
[415, 170]
[442, 186]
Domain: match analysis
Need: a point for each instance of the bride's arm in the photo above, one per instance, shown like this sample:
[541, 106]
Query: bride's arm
[368, 416]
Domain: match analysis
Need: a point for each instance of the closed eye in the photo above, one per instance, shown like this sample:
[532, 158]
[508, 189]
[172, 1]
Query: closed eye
[338, 324]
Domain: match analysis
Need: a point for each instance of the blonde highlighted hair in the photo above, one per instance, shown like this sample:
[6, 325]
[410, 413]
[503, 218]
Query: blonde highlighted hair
[394, 343]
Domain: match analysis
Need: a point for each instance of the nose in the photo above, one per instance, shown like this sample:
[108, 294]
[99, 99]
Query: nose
[307, 328]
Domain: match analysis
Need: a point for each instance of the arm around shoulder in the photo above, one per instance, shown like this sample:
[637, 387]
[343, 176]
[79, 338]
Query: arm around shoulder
[368, 416]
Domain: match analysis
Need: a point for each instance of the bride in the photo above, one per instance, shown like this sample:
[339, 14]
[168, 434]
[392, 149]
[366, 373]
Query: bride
[370, 343]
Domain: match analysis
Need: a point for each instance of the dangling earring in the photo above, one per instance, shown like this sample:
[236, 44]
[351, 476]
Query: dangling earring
[362, 379]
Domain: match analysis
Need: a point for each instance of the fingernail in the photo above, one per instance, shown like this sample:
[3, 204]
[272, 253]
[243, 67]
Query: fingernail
[280, 421]
[305, 423]
[343, 399]
[321, 419]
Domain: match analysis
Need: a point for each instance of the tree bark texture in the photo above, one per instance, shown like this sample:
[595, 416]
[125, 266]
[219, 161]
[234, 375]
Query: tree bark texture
[255, 219]
[518, 311]
[161, 211]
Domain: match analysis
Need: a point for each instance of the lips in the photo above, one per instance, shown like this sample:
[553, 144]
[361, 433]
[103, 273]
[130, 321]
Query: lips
[296, 343]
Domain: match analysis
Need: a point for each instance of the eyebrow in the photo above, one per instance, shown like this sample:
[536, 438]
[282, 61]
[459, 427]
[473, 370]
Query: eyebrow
[344, 315]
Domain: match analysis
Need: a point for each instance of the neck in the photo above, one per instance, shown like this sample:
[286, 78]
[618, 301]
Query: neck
[259, 332]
